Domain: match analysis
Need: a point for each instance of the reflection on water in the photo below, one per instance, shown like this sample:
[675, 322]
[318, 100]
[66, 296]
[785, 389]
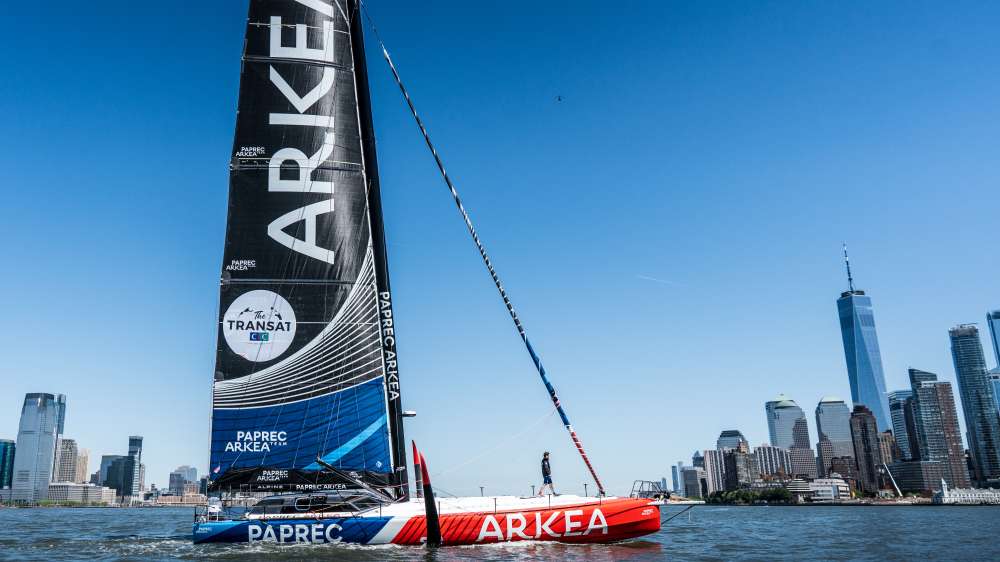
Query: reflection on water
[707, 533]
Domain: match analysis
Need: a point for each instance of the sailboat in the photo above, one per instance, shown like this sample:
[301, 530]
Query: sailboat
[307, 440]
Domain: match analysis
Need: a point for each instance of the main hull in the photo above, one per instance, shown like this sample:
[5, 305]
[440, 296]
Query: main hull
[464, 521]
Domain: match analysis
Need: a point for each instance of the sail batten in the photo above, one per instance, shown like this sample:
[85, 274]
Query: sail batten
[304, 370]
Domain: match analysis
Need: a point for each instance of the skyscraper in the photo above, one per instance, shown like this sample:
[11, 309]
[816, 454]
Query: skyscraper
[897, 413]
[135, 453]
[82, 464]
[773, 462]
[106, 462]
[741, 468]
[861, 350]
[936, 423]
[888, 448]
[7, 449]
[697, 459]
[41, 418]
[833, 425]
[994, 378]
[66, 458]
[867, 454]
[730, 439]
[675, 476]
[978, 402]
[993, 321]
[715, 469]
[788, 429]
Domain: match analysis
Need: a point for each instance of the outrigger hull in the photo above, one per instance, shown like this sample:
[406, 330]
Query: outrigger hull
[566, 520]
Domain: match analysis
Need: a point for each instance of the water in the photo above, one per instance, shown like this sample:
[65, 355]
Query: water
[712, 533]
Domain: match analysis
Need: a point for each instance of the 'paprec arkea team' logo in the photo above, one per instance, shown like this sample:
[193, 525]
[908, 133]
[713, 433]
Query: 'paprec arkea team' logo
[259, 325]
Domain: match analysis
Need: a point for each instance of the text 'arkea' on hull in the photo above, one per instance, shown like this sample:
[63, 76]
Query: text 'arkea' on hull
[307, 424]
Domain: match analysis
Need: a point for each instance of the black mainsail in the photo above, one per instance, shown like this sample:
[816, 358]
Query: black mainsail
[306, 373]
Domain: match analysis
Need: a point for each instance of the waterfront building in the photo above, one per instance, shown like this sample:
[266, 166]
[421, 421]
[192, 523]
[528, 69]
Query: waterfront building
[695, 482]
[861, 351]
[106, 462]
[772, 462]
[675, 476]
[66, 458]
[829, 489]
[936, 420]
[966, 496]
[176, 483]
[7, 449]
[741, 469]
[864, 431]
[73, 492]
[800, 489]
[888, 448]
[897, 415]
[82, 464]
[917, 476]
[191, 473]
[730, 439]
[978, 402]
[833, 425]
[42, 417]
[845, 467]
[135, 451]
[715, 469]
[788, 428]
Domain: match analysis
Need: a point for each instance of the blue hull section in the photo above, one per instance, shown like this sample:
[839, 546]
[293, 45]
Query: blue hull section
[318, 531]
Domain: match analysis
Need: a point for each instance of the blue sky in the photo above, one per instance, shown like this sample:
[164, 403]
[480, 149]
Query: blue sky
[670, 231]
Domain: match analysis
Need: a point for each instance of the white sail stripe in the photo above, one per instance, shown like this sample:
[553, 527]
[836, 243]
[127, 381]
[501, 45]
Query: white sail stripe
[307, 393]
[360, 304]
[345, 366]
[348, 332]
[362, 343]
[342, 322]
[286, 402]
[306, 349]
[334, 340]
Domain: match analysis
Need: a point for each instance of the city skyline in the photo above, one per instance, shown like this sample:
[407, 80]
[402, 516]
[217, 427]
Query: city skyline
[707, 252]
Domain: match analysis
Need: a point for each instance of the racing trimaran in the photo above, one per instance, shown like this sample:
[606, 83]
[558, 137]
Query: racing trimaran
[306, 396]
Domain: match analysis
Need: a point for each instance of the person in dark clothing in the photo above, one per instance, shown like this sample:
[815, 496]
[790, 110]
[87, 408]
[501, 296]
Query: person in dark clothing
[546, 476]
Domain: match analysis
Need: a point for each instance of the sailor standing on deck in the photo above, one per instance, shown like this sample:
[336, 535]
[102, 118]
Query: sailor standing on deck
[546, 476]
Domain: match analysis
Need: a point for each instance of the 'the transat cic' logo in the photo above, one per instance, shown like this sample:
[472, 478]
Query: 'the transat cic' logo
[259, 325]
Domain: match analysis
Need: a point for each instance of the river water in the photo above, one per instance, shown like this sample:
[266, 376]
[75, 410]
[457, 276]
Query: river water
[705, 533]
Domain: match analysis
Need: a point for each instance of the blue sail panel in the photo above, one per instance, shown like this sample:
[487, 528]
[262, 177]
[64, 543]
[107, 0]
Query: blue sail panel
[348, 429]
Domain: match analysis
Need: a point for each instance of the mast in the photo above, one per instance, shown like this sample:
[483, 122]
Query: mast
[386, 325]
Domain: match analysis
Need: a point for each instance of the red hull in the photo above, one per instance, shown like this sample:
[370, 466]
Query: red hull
[608, 521]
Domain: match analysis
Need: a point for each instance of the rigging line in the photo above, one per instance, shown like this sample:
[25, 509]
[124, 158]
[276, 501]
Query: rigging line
[482, 252]
[496, 446]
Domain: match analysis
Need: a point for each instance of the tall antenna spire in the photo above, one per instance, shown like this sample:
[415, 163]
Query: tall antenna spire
[847, 262]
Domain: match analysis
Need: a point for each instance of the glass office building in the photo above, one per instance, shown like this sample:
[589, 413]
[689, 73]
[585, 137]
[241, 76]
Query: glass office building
[730, 439]
[936, 422]
[7, 449]
[897, 415]
[42, 417]
[993, 321]
[978, 402]
[788, 429]
[833, 425]
[864, 359]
